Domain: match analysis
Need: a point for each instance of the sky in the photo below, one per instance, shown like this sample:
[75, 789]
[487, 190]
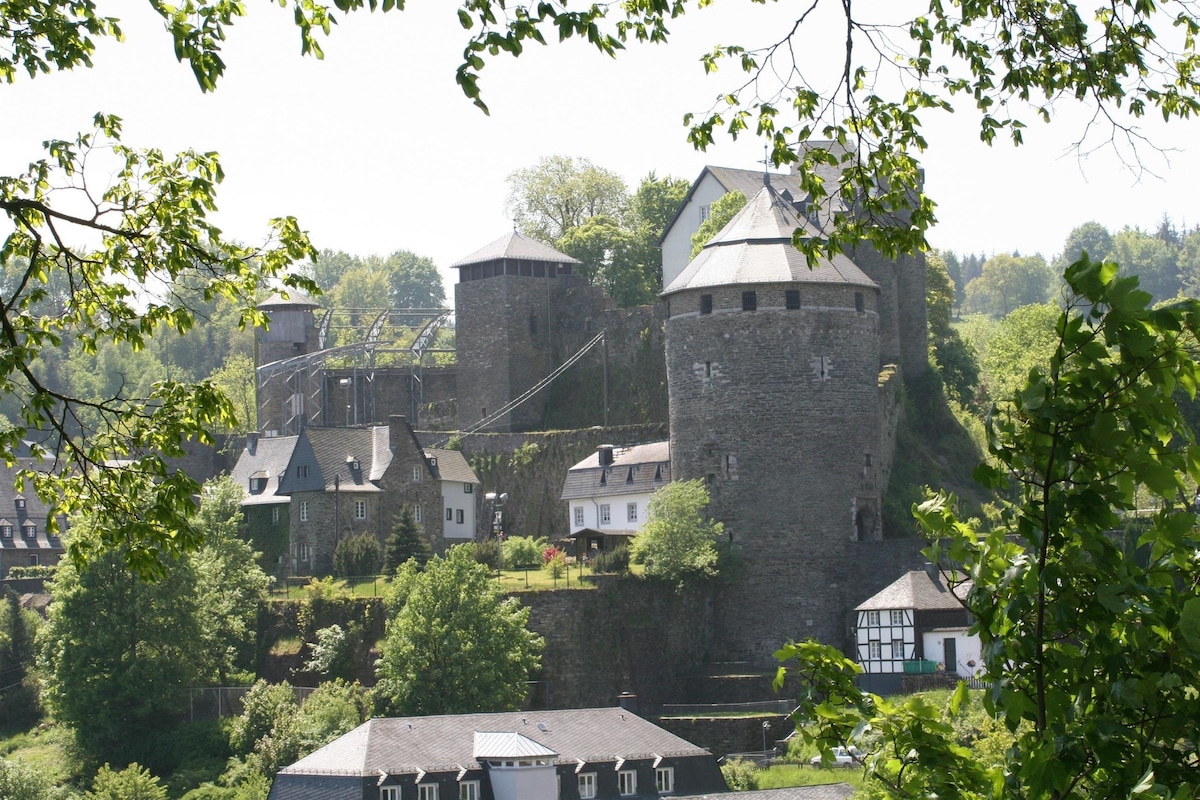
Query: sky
[375, 149]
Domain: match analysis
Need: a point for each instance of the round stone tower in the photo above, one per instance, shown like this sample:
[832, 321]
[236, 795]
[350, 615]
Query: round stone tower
[286, 395]
[773, 373]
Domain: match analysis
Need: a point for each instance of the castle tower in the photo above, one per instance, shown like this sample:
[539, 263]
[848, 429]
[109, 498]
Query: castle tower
[773, 374]
[286, 395]
[506, 318]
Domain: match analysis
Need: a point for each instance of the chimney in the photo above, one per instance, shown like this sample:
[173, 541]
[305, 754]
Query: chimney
[935, 575]
[397, 427]
[628, 702]
[251, 442]
[605, 453]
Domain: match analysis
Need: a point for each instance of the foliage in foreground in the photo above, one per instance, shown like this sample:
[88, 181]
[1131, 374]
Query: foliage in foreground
[1091, 642]
[678, 544]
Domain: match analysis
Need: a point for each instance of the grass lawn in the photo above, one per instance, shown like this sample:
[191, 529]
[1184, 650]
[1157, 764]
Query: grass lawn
[780, 776]
[511, 580]
[44, 748]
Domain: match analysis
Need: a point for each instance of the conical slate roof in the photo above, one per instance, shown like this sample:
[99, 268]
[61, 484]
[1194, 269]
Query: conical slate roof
[516, 246]
[756, 247]
[294, 299]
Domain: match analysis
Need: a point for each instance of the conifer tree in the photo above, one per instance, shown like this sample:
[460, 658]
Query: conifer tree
[406, 541]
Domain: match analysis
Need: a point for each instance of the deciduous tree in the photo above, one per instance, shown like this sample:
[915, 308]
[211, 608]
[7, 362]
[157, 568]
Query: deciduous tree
[719, 214]
[457, 644]
[677, 544]
[560, 193]
[1008, 282]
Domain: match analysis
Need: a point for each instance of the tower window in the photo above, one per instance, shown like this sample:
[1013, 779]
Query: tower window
[792, 299]
[706, 304]
[749, 301]
[858, 302]
[532, 323]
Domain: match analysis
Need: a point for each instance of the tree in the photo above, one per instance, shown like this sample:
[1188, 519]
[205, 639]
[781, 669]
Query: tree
[357, 555]
[236, 380]
[1009, 282]
[413, 281]
[457, 645]
[1091, 638]
[677, 544]
[19, 781]
[1155, 262]
[1091, 238]
[719, 214]
[18, 694]
[953, 358]
[1023, 340]
[230, 584]
[405, 541]
[560, 193]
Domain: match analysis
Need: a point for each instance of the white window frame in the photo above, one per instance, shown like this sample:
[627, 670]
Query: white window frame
[389, 793]
[873, 618]
[29, 530]
[897, 648]
[468, 488]
[627, 782]
[631, 512]
[874, 650]
[605, 514]
[427, 791]
[304, 511]
[578, 510]
[587, 785]
[468, 790]
[664, 779]
[458, 516]
[449, 514]
[360, 509]
[6, 531]
[416, 474]
[897, 616]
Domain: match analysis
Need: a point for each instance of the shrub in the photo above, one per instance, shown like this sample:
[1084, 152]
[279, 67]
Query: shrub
[487, 553]
[550, 553]
[612, 561]
[558, 564]
[522, 552]
[38, 571]
[740, 774]
[358, 555]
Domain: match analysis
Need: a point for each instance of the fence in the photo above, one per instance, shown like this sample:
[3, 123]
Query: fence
[215, 702]
[728, 709]
[939, 680]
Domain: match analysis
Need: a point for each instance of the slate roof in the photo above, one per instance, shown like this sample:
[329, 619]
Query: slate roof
[509, 744]
[916, 590]
[516, 246]
[640, 469]
[406, 745]
[34, 511]
[335, 449]
[451, 466]
[295, 299]
[272, 456]
[755, 247]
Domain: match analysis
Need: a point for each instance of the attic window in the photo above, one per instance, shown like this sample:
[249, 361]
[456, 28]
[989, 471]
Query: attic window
[353, 464]
[629, 477]
[258, 482]
[20, 501]
[658, 474]
[6, 531]
[302, 471]
[604, 478]
[30, 530]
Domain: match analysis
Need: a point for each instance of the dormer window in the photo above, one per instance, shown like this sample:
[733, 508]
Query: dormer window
[5, 530]
[629, 477]
[20, 500]
[258, 482]
[29, 530]
[353, 464]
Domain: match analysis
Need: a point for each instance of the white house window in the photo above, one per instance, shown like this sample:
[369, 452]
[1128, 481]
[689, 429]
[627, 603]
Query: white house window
[704, 212]
[360, 509]
[6, 531]
[427, 791]
[458, 516]
[578, 510]
[627, 782]
[449, 514]
[874, 650]
[897, 617]
[631, 512]
[664, 779]
[897, 648]
[304, 511]
[587, 785]
[302, 552]
[468, 790]
[30, 530]
[416, 474]
[389, 793]
[20, 502]
[873, 618]
[605, 514]
[417, 514]
[468, 488]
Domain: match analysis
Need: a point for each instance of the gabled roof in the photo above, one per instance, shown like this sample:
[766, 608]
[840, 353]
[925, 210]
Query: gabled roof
[731, 179]
[270, 455]
[516, 246]
[406, 745]
[640, 469]
[918, 591]
[337, 449]
[451, 465]
[508, 744]
[755, 247]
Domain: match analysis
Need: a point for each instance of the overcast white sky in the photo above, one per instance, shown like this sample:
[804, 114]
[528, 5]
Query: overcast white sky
[375, 149]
